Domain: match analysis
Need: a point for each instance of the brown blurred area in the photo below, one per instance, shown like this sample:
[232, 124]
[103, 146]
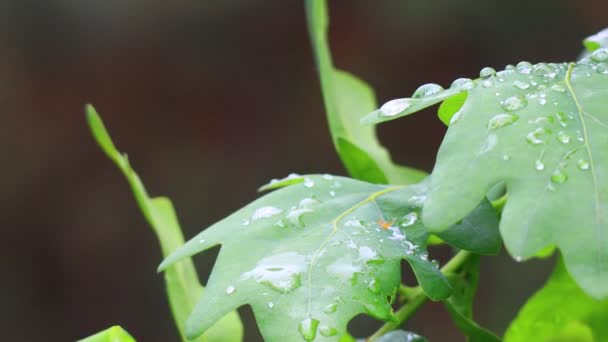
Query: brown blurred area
[211, 99]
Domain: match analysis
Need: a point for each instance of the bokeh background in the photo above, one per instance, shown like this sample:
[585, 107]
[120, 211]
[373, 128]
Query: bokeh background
[212, 99]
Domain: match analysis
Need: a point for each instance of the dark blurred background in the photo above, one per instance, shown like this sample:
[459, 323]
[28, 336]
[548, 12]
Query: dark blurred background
[212, 99]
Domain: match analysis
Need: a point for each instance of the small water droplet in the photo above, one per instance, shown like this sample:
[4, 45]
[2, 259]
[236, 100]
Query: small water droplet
[373, 286]
[308, 203]
[542, 101]
[506, 157]
[435, 263]
[265, 212]
[463, 84]
[308, 328]
[309, 183]
[426, 90]
[514, 103]
[230, 290]
[558, 88]
[328, 177]
[602, 68]
[562, 118]
[330, 308]
[201, 241]
[539, 165]
[521, 85]
[271, 305]
[409, 219]
[563, 137]
[579, 136]
[280, 223]
[583, 164]
[394, 107]
[245, 222]
[545, 70]
[559, 176]
[487, 84]
[280, 272]
[332, 193]
[294, 216]
[328, 331]
[535, 137]
[501, 120]
[599, 55]
[524, 68]
[486, 73]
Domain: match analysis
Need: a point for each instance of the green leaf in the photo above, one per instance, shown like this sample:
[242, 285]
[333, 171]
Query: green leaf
[310, 256]
[560, 311]
[451, 106]
[183, 287]
[401, 336]
[112, 334]
[598, 40]
[542, 130]
[460, 303]
[347, 99]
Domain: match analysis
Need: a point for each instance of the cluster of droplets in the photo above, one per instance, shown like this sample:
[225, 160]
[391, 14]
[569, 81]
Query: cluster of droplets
[598, 61]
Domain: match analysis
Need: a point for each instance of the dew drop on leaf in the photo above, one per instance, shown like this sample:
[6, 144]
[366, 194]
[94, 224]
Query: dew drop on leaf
[486, 73]
[409, 219]
[562, 118]
[487, 84]
[521, 85]
[270, 305]
[524, 68]
[600, 55]
[426, 90]
[330, 308]
[230, 290]
[308, 329]
[435, 263]
[328, 331]
[280, 272]
[539, 165]
[394, 107]
[563, 137]
[463, 84]
[514, 103]
[558, 88]
[583, 164]
[535, 136]
[265, 212]
[308, 203]
[559, 176]
[373, 286]
[501, 120]
[309, 183]
[294, 216]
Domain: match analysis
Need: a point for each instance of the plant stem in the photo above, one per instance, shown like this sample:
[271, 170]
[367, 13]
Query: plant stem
[417, 297]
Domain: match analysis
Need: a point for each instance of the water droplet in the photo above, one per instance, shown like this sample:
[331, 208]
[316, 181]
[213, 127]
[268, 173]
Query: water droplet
[397, 234]
[332, 193]
[328, 331]
[583, 164]
[514, 103]
[602, 68]
[539, 165]
[501, 120]
[309, 183]
[280, 272]
[409, 219]
[435, 263]
[486, 73]
[294, 216]
[330, 308]
[487, 84]
[265, 212]
[545, 70]
[599, 55]
[230, 290]
[463, 84]
[280, 223]
[373, 286]
[559, 176]
[426, 90]
[344, 269]
[535, 137]
[245, 222]
[521, 85]
[366, 254]
[562, 118]
[579, 136]
[201, 241]
[558, 88]
[510, 67]
[563, 137]
[506, 157]
[328, 177]
[417, 199]
[542, 101]
[308, 203]
[308, 329]
[524, 68]
[394, 107]
[271, 305]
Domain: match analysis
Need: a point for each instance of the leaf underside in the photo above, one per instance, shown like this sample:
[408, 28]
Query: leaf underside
[310, 256]
[540, 129]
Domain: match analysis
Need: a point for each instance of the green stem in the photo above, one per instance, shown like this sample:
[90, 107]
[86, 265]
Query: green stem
[417, 297]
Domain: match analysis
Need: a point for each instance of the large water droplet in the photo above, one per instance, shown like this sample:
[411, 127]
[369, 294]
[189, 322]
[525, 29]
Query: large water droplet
[427, 90]
[265, 212]
[501, 120]
[539, 165]
[394, 107]
[602, 68]
[328, 331]
[308, 329]
[280, 272]
[409, 219]
[521, 85]
[559, 176]
[524, 68]
[514, 103]
[230, 290]
[600, 55]
[463, 84]
[535, 137]
[486, 73]
[545, 70]
[563, 137]
[583, 164]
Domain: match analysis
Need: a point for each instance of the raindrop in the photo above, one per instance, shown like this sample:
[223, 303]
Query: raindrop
[558, 88]
[579, 136]
[330, 308]
[409, 219]
[230, 290]
[394, 107]
[294, 216]
[271, 305]
[308, 328]
[332, 193]
[524, 68]
[265, 212]
[563, 137]
[328, 331]
[562, 118]
[600, 55]
[602, 68]
[308, 203]
[583, 164]
[501, 120]
[534, 137]
[328, 177]
[506, 157]
[539, 165]
[435, 263]
[514, 103]
[309, 183]
[521, 85]
[280, 224]
[280, 272]
[426, 90]
[463, 84]
[486, 73]
[245, 222]
[486, 84]
[543, 69]
[559, 176]
[202, 241]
